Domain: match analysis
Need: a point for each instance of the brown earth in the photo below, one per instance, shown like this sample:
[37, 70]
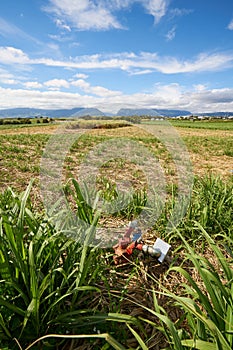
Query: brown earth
[202, 162]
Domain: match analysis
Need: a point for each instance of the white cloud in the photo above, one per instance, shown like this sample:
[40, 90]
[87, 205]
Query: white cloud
[81, 83]
[11, 55]
[99, 15]
[175, 12]
[140, 71]
[81, 76]
[32, 85]
[145, 61]
[103, 92]
[60, 23]
[127, 61]
[171, 34]
[10, 81]
[230, 25]
[171, 96]
[83, 14]
[7, 78]
[95, 90]
[170, 91]
[156, 8]
[56, 84]
[199, 87]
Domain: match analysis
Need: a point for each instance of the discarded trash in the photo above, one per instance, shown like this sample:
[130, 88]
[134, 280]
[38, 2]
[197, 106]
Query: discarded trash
[127, 245]
[163, 247]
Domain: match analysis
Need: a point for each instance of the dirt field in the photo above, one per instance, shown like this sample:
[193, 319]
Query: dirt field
[205, 159]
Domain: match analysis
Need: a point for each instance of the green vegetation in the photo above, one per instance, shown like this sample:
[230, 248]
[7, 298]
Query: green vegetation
[204, 124]
[210, 145]
[24, 121]
[206, 299]
[59, 293]
[52, 284]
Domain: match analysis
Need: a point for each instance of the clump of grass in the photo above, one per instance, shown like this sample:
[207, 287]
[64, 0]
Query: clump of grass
[43, 274]
[211, 205]
[205, 298]
[52, 284]
[212, 125]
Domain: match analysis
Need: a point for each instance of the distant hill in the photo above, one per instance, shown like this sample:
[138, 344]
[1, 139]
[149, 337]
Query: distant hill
[216, 114]
[88, 111]
[82, 111]
[124, 112]
[36, 112]
[57, 113]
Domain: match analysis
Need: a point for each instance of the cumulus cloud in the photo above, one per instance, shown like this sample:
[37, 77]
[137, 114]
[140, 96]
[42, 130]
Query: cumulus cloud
[32, 85]
[171, 96]
[81, 76]
[199, 87]
[7, 78]
[56, 84]
[95, 90]
[81, 83]
[11, 55]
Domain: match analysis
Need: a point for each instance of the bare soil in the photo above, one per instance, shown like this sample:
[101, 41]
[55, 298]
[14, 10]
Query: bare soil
[202, 162]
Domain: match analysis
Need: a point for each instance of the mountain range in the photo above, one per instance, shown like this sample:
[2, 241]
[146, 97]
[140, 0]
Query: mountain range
[82, 111]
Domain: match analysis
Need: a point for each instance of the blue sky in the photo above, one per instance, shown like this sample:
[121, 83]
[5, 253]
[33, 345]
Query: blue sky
[109, 54]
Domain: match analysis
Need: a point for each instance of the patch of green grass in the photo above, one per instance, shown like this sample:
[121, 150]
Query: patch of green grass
[212, 125]
[209, 145]
[43, 274]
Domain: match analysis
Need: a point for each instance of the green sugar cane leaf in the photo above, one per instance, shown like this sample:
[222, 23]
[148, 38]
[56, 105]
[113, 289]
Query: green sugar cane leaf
[229, 321]
[4, 327]
[199, 344]
[173, 331]
[190, 306]
[174, 334]
[12, 307]
[31, 309]
[221, 258]
[23, 202]
[108, 338]
[32, 271]
[138, 338]
[202, 297]
[54, 303]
